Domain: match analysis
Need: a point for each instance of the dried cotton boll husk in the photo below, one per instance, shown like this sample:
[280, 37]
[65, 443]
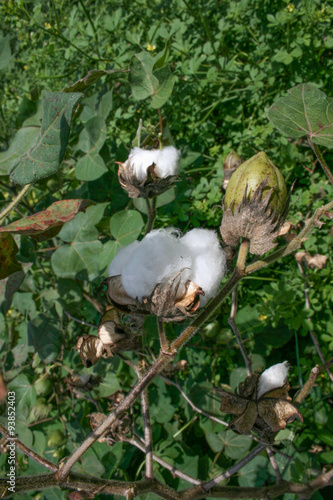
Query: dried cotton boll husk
[208, 261]
[272, 378]
[159, 256]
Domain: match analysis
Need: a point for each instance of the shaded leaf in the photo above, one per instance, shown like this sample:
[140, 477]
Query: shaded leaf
[236, 446]
[80, 258]
[5, 52]
[91, 77]
[255, 473]
[24, 392]
[24, 138]
[93, 135]
[90, 167]
[44, 336]
[8, 251]
[55, 215]
[45, 157]
[305, 111]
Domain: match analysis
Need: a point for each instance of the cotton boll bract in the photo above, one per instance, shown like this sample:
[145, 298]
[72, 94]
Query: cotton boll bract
[272, 378]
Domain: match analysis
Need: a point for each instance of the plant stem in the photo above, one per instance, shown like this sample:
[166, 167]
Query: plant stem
[27, 451]
[15, 202]
[176, 472]
[148, 435]
[151, 209]
[192, 405]
[322, 162]
[234, 468]
[159, 364]
[308, 385]
[233, 325]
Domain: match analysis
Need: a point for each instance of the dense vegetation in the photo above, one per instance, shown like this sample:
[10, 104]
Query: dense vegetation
[222, 65]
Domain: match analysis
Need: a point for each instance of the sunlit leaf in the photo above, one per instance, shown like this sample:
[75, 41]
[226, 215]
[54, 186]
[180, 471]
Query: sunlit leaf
[305, 111]
[45, 157]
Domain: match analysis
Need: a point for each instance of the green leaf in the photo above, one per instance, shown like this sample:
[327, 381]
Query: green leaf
[8, 251]
[126, 226]
[214, 441]
[93, 135]
[107, 254]
[55, 215]
[149, 82]
[45, 157]
[5, 53]
[163, 199]
[255, 473]
[24, 138]
[90, 167]
[305, 111]
[80, 258]
[24, 392]
[44, 336]
[109, 385]
[235, 445]
[91, 77]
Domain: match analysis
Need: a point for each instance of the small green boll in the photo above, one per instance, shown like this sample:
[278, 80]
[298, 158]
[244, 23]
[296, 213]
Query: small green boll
[249, 175]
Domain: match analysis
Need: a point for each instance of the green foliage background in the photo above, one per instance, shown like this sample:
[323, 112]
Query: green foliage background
[230, 61]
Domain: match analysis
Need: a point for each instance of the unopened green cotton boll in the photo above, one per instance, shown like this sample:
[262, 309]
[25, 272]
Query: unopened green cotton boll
[249, 175]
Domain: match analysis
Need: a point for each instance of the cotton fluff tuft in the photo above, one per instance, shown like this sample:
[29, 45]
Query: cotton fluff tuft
[208, 261]
[166, 161]
[162, 254]
[272, 378]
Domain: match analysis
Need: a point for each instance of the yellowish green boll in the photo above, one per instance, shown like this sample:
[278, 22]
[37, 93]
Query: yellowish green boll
[251, 173]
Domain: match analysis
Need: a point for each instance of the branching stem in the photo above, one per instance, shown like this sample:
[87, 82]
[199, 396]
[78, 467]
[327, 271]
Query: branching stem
[322, 162]
[15, 202]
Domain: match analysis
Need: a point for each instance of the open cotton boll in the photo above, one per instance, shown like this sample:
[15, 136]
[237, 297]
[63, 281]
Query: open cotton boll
[167, 162]
[272, 378]
[140, 159]
[123, 256]
[158, 257]
[208, 261]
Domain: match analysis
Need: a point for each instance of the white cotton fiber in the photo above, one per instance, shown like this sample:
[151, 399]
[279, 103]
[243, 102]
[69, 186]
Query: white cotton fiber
[157, 257]
[166, 161]
[123, 256]
[272, 378]
[208, 261]
[162, 254]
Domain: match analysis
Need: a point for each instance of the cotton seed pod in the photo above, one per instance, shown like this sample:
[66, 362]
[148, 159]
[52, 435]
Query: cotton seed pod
[232, 161]
[90, 349]
[261, 403]
[255, 204]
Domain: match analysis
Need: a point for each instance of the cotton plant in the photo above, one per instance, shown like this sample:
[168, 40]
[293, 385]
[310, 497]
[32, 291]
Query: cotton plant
[167, 273]
[261, 403]
[148, 173]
